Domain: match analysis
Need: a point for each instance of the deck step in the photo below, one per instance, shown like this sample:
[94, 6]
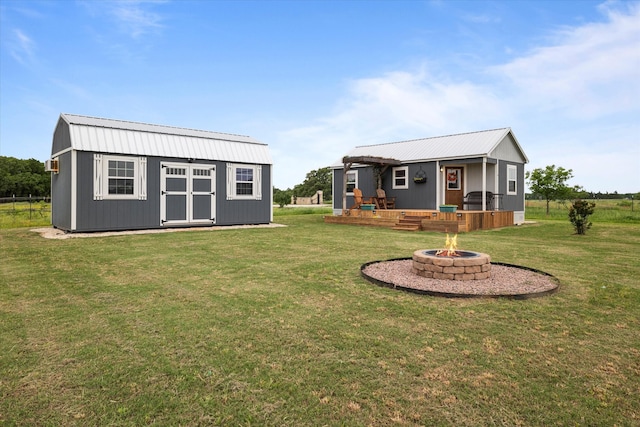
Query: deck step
[409, 223]
[407, 228]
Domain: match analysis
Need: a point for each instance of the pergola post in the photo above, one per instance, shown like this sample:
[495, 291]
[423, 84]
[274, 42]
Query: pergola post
[348, 162]
[345, 169]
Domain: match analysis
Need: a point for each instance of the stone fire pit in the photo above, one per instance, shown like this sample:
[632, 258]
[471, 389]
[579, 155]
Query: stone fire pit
[465, 265]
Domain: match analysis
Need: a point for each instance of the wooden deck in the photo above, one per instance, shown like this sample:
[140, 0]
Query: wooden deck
[426, 220]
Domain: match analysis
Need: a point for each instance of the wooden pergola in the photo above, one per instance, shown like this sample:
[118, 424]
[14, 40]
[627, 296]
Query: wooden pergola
[348, 161]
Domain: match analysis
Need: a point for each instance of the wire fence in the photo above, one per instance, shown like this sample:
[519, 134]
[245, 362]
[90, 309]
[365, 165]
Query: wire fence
[32, 207]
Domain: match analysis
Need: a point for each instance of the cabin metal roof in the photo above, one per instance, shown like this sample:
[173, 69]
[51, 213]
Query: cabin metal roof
[125, 137]
[459, 146]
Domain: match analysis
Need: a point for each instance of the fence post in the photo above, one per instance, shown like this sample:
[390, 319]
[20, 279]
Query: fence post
[30, 207]
[14, 202]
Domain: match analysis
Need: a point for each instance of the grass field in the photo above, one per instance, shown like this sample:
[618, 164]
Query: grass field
[275, 327]
[25, 214]
[610, 210]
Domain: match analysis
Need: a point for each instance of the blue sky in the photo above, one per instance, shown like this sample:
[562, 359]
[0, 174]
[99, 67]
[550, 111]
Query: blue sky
[315, 78]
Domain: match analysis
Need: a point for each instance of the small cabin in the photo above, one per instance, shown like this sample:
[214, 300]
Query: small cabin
[120, 175]
[475, 171]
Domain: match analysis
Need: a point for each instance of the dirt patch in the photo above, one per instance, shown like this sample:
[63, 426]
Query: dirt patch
[54, 233]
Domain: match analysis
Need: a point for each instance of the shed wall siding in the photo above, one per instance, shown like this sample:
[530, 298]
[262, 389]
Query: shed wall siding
[61, 194]
[61, 138]
[237, 212]
[98, 215]
[101, 215]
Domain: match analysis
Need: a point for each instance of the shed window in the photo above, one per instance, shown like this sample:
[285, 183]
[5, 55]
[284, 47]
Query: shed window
[243, 182]
[119, 177]
[352, 182]
[400, 178]
[512, 179]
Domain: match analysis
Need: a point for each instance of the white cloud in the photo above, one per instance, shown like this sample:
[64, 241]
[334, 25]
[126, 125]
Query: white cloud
[21, 47]
[131, 17]
[564, 98]
[591, 71]
[134, 19]
[398, 105]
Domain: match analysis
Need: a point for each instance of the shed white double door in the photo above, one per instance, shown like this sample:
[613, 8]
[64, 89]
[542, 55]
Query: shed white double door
[187, 193]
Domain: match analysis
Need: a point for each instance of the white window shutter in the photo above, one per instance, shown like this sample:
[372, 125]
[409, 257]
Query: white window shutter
[97, 177]
[142, 182]
[230, 182]
[258, 183]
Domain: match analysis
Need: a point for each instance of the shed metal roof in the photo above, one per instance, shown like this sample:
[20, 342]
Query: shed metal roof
[459, 146]
[124, 137]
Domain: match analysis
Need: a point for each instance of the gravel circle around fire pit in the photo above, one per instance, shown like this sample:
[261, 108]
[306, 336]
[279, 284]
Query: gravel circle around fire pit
[506, 280]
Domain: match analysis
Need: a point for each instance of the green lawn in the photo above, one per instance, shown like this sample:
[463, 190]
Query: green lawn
[275, 327]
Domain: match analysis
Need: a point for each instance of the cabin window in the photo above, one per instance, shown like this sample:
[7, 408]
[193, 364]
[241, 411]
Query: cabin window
[119, 177]
[400, 178]
[243, 182]
[352, 182]
[512, 179]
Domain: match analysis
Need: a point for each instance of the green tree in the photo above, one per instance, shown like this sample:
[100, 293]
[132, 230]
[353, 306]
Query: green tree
[282, 197]
[549, 183]
[315, 180]
[23, 177]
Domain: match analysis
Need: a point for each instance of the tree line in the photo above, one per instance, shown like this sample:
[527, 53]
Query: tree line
[22, 178]
[315, 180]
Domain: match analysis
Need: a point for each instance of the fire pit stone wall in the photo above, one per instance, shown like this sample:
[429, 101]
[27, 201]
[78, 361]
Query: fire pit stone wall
[475, 267]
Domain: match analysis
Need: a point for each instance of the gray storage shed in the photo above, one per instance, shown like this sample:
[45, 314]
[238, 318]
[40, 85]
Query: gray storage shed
[120, 175]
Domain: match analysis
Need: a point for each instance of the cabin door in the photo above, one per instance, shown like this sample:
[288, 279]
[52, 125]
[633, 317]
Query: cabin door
[188, 194]
[454, 186]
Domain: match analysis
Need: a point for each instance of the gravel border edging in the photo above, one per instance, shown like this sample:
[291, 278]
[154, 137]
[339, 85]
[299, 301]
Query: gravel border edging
[433, 292]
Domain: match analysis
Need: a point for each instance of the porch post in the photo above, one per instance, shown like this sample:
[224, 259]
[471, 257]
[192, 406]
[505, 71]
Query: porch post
[438, 189]
[484, 183]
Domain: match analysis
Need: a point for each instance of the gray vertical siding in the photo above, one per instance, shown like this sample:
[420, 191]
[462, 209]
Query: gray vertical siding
[61, 137]
[236, 212]
[511, 202]
[61, 194]
[101, 215]
[417, 196]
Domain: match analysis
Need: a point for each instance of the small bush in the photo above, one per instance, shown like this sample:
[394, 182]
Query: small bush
[579, 215]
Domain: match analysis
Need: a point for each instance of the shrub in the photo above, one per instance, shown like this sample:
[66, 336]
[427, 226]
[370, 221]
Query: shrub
[579, 215]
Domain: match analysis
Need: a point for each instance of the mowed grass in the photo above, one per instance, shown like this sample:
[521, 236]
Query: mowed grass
[275, 327]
